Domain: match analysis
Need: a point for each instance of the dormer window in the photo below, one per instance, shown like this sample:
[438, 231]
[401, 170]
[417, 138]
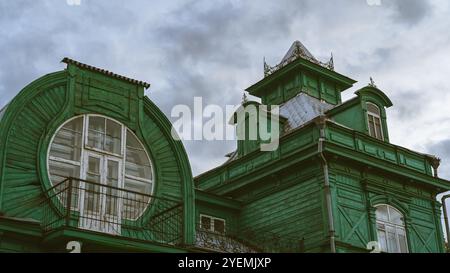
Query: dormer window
[374, 121]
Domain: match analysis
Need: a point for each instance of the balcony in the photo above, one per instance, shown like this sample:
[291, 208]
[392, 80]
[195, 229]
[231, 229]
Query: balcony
[84, 205]
[246, 241]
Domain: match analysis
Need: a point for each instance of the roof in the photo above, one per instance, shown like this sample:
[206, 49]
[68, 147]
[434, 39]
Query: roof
[105, 72]
[301, 109]
[298, 111]
[296, 51]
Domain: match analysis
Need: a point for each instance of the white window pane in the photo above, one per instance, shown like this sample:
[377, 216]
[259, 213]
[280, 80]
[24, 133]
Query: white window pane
[382, 240]
[94, 165]
[112, 195]
[92, 190]
[113, 173]
[138, 186]
[396, 217]
[379, 134]
[371, 126]
[96, 132]
[135, 203]
[60, 171]
[382, 213]
[137, 161]
[137, 164]
[97, 124]
[67, 141]
[113, 138]
[92, 201]
[96, 139]
[132, 141]
[372, 108]
[403, 245]
[392, 240]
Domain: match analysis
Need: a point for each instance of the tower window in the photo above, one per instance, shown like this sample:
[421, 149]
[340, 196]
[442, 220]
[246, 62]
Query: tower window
[374, 121]
[391, 230]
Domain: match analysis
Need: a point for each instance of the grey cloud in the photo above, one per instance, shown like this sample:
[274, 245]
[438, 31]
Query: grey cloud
[410, 11]
[409, 104]
[202, 48]
[442, 150]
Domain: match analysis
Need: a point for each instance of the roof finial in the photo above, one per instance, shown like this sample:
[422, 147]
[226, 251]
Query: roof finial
[244, 98]
[372, 83]
[331, 62]
[267, 68]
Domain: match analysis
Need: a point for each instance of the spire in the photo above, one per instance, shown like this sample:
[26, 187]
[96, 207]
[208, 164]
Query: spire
[372, 83]
[297, 50]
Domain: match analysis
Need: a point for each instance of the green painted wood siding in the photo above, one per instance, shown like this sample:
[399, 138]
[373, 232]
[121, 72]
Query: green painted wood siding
[294, 212]
[356, 192]
[21, 183]
[34, 115]
[301, 81]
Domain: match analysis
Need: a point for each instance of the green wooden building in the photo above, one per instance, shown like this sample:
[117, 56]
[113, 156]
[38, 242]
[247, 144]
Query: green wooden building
[87, 162]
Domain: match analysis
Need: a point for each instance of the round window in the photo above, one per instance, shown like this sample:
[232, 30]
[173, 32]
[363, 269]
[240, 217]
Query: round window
[112, 174]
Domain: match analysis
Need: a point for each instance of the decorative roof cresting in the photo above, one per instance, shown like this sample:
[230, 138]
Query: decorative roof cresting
[296, 51]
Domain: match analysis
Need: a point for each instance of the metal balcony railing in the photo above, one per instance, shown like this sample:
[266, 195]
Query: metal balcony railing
[246, 241]
[86, 205]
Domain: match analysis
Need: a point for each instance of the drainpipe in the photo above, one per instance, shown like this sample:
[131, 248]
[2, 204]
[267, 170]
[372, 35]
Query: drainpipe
[327, 189]
[447, 228]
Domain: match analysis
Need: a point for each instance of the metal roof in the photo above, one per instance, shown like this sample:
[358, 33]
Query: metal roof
[298, 111]
[301, 109]
[106, 72]
[296, 51]
[297, 48]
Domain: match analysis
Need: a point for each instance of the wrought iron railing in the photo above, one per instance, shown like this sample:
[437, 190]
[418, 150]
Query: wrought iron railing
[102, 208]
[246, 241]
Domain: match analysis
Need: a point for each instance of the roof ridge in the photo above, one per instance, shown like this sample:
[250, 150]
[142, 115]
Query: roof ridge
[105, 72]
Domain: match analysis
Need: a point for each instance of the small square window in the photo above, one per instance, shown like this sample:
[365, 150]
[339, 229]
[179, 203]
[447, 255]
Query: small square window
[213, 224]
[205, 223]
[219, 226]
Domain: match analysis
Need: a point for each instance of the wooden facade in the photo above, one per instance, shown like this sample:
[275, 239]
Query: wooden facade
[318, 192]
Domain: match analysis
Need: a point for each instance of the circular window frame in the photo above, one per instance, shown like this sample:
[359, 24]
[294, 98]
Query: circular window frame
[122, 157]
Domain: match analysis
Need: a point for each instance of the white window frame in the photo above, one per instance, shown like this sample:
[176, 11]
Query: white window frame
[140, 179]
[393, 226]
[66, 161]
[85, 149]
[374, 116]
[122, 136]
[211, 226]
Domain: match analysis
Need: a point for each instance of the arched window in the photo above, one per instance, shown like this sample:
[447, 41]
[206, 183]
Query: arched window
[391, 230]
[374, 121]
[111, 158]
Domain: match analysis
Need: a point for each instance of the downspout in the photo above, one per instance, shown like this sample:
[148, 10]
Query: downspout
[447, 228]
[327, 188]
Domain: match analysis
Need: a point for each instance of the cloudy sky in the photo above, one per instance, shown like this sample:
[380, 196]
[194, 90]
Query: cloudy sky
[215, 49]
